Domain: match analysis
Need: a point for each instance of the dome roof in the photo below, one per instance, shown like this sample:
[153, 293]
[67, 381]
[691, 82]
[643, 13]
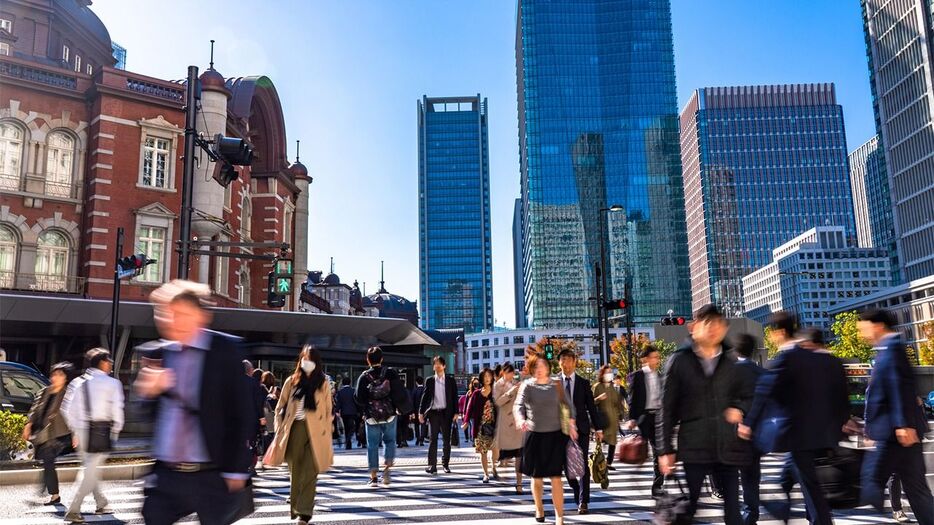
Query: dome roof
[88, 20]
[298, 170]
[332, 278]
[211, 80]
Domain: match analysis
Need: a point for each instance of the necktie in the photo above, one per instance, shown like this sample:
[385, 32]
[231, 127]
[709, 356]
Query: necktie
[567, 388]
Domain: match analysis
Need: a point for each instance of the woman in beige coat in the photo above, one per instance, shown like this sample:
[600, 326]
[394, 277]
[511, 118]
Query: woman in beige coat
[508, 436]
[303, 431]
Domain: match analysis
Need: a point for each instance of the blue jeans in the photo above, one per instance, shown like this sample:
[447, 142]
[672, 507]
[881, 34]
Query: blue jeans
[385, 432]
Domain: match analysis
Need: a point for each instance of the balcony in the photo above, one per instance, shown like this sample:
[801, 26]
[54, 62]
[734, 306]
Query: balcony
[31, 282]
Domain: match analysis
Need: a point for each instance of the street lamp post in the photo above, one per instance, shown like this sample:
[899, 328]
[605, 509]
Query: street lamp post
[602, 292]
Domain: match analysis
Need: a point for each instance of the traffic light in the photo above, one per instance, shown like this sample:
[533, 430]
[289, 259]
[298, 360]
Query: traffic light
[615, 304]
[273, 298]
[133, 265]
[280, 283]
[669, 321]
[230, 152]
[549, 351]
[225, 174]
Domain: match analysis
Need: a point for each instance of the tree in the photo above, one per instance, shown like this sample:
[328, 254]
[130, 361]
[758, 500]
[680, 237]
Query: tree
[926, 348]
[769, 345]
[584, 369]
[619, 358]
[849, 344]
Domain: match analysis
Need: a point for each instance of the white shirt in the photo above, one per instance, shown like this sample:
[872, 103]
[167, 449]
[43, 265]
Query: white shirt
[653, 398]
[573, 378]
[439, 402]
[106, 401]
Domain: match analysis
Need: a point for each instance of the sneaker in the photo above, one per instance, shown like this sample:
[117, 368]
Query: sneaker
[900, 517]
[74, 517]
[104, 510]
[386, 477]
[447, 469]
[372, 483]
[486, 479]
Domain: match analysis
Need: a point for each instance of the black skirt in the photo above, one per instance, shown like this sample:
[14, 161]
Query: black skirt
[509, 454]
[544, 454]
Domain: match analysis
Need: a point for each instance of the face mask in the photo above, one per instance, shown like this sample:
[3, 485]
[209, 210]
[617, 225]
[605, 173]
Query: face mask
[608, 378]
[308, 366]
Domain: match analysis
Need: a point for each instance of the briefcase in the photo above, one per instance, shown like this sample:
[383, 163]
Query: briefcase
[672, 508]
[838, 474]
[633, 449]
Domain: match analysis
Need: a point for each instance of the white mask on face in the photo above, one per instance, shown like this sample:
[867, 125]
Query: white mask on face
[608, 378]
[308, 366]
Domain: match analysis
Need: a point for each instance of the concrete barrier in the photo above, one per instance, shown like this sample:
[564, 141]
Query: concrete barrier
[129, 471]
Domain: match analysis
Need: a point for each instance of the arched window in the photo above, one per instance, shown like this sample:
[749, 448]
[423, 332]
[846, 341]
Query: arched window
[243, 290]
[246, 218]
[60, 164]
[9, 247]
[52, 261]
[11, 155]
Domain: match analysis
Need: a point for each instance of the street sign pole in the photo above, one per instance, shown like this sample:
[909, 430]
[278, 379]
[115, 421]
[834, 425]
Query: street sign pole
[115, 307]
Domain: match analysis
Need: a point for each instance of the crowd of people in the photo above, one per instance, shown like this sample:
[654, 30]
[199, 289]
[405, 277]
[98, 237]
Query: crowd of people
[710, 408]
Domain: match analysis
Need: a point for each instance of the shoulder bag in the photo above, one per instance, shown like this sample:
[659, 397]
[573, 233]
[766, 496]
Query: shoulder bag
[99, 438]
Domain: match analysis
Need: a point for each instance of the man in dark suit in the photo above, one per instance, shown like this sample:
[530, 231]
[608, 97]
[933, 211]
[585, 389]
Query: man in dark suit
[438, 406]
[417, 392]
[748, 373]
[894, 420]
[702, 395]
[645, 404]
[204, 417]
[578, 392]
[349, 413]
[809, 390]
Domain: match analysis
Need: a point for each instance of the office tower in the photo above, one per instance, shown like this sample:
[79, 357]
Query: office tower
[871, 202]
[598, 130]
[762, 164]
[455, 266]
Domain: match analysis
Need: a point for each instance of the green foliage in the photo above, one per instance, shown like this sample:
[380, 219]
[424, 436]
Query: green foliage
[848, 343]
[11, 432]
[620, 360]
[584, 369]
[926, 348]
[769, 345]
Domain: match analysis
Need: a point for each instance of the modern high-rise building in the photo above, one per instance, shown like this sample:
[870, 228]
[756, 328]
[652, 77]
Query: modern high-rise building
[518, 287]
[900, 47]
[871, 202]
[455, 265]
[598, 129]
[761, 165]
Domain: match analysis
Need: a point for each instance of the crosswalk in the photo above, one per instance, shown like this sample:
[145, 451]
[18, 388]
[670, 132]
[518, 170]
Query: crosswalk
[456, 498]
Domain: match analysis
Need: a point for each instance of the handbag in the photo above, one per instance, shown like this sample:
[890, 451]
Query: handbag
[672, 508]
[575, 460]
[598, 469]
[838, 474]
[633, 449]
[99, 437]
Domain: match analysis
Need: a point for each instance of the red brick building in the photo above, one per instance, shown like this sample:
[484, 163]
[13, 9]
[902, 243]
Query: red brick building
[86, 148]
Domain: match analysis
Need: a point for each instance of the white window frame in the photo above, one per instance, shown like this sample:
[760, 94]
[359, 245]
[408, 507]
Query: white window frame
[222, 268]
[246, 219]
[152, 155]
[145, 241]
[6, 23]
[288, 217]
[90, 69]
[66, 54]
[50, 280]
[62, 179]
[8, 179]
[156, 215]
[243, 291]
[159, 129]
[4, 49]
[77, 63]
[10, 248]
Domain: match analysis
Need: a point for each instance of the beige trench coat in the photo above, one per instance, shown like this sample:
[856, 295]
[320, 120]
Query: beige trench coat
[508, 436]
[319, 425]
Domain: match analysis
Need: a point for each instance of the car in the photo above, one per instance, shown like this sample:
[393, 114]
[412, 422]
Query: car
[19, 385]
[929, 403]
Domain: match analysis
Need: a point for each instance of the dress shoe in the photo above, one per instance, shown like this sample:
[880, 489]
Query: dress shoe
[54, 500]
[74, 517]
[431, 470]
[583, 509]
[447, 469]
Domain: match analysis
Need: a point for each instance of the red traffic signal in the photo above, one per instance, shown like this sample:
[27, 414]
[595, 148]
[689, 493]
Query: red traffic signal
[669, 321]
[616, 304]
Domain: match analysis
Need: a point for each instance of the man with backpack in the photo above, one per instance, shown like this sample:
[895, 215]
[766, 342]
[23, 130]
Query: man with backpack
[383, 397]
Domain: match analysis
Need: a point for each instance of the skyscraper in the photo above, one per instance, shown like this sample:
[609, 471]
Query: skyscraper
[455, 266]
[518, 285]
[762, 164]
[900, 47]
[871, 202]
[597, 129]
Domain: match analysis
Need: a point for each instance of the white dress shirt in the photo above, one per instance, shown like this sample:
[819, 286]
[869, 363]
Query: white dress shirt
[439, 401]
[106, 401]
[653, 398]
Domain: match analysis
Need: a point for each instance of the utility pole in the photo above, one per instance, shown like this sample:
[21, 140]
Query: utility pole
[191, 112]
[115, 306]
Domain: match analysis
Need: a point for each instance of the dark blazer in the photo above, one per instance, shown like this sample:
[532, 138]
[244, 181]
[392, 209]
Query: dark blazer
[586, 414]
[697, 403]
[417, 396]
[748, 372]
[450, 395]
[638, 395]
[345, 402]
[808, 389]
[891, 399]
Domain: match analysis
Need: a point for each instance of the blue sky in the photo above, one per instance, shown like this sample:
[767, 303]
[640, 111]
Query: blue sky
[349, 74]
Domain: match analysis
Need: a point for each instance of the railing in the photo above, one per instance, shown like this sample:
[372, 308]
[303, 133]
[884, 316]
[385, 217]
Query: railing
[59, 189]
[9, 183]
[155, 90]
[38, 74]
[41, 282]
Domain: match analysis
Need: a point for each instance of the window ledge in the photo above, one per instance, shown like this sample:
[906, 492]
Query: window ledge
[43, 196]
[153, 188]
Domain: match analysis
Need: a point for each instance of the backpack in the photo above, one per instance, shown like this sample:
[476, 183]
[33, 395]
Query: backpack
[379, 405]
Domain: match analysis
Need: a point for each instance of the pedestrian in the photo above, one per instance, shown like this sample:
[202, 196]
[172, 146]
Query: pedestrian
[809, 390]
[258, 395]
[46, 428]
[508, 435]
[303, 432]
[894, 420]
[481, 414]
[606, 396]
[204, 413]
[579, 393]
[473, 384]
[895, 499]
[543, 412]
[437, 407]
[380, 392]
[347, 408]
[93, 409]
[421, 430]
[645, 404]
[269, 407]
[700, 390]
[258, 374]
[403, 428]
[750, 475]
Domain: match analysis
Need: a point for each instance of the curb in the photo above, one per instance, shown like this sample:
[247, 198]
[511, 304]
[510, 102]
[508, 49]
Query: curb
[69, 474]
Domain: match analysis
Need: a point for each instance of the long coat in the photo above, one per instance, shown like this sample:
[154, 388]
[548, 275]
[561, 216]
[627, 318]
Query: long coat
[610, 407]
[508, 435]
[319, 423]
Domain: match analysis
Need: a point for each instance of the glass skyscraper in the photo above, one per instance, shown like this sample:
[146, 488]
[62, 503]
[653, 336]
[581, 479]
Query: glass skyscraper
[871, 202]
[598, 128]
[455, 266]
[762, 164]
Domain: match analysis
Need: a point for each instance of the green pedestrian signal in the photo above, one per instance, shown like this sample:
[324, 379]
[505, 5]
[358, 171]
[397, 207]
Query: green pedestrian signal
[284, 285]
[549, 352]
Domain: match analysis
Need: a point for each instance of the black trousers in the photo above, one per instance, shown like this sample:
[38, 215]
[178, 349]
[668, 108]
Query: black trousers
[350, 429]
[818, 510]
[170, 496]
[647, 429]
[48, 453]
[581, 487]
[895, 493]
[751, 476]
[908, 463]
[439, 423]
[728, 476]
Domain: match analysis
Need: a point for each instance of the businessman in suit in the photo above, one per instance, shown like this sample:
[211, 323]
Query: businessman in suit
[809, 390]
[204, 417]
[577, 390]
[894, 420]
[748, 373]
[438, 406]
[645, 403]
